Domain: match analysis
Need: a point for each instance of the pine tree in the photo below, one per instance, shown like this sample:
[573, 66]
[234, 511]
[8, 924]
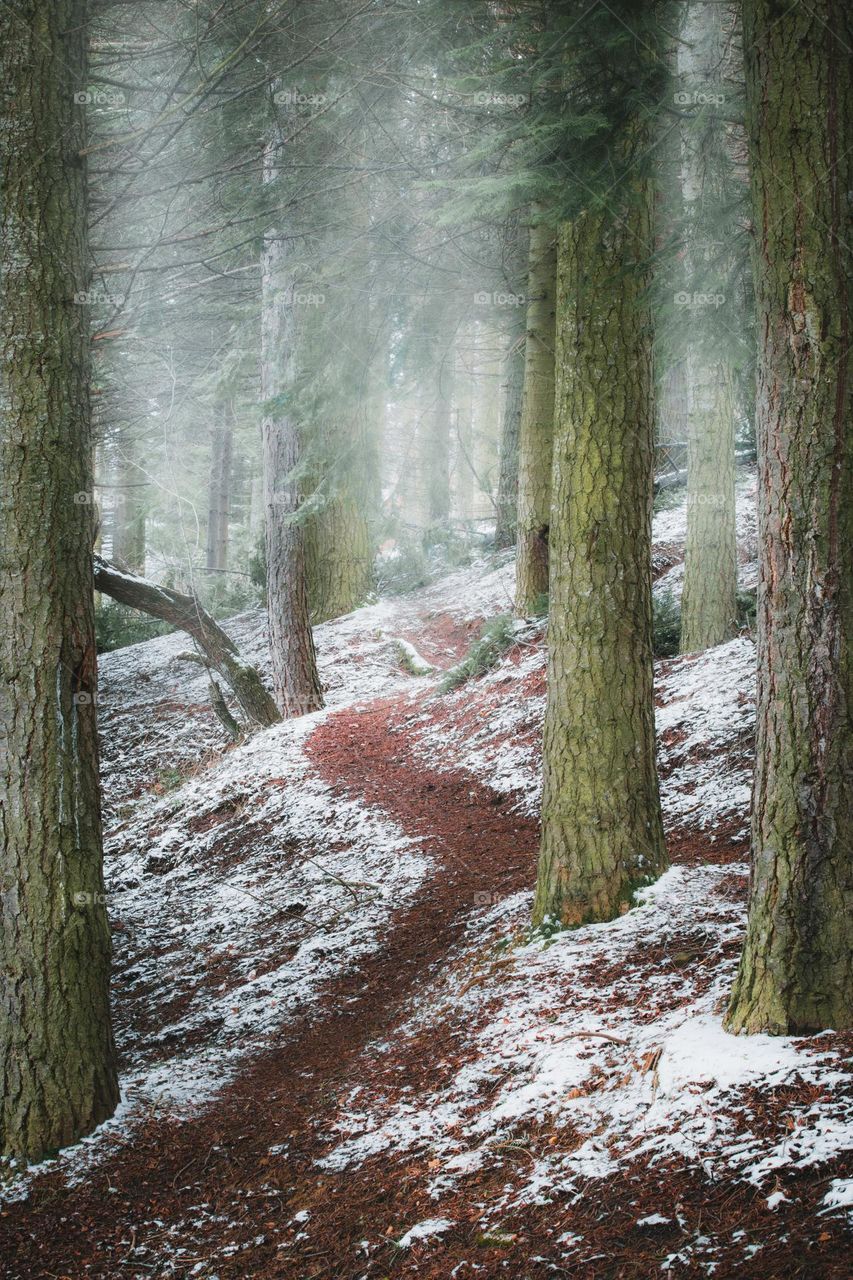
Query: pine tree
[796, 970]
[57, 1062]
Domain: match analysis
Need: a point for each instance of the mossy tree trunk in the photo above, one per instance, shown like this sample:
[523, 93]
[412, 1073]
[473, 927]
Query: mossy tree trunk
[535, 446]
[796, 970]
[513, 392]
[602, 832]
[57, 1061]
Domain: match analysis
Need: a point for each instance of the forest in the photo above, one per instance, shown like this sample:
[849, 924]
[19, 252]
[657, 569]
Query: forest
[426, 639]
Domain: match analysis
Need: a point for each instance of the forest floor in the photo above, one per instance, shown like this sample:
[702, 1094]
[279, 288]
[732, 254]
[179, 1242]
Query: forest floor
[344, 1054]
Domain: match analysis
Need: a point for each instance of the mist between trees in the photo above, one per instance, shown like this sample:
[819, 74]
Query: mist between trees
[309, 301]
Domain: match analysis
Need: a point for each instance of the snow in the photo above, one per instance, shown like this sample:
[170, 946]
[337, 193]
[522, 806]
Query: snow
[423, 1230]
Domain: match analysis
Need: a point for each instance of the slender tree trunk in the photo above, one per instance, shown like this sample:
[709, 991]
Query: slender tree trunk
[796, 970]
[57, 1061]
[294, 662]
[464, 396]
[186, 612]
[535, 449]
[129, 505]
[602, 832]
[507, 499]
[709, 599]
[219, 489]
[437, 453]
[709, 606]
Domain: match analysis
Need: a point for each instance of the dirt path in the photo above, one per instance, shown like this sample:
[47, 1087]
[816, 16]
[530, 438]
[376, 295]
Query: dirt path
[117, 1222]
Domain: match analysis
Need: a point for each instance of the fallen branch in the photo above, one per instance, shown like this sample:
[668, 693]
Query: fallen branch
[218, 650]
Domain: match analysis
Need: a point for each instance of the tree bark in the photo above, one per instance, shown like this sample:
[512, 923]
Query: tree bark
[602, 831]
[796, 970]
[57, 1060]
[507, 499]
[219, 489]
[128, 515]
[709, 604]
[294, 661]
[186, 613]
[535, 449]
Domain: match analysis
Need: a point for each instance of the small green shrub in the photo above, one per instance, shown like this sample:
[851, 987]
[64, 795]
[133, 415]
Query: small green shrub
[495, 638]
[116, 626]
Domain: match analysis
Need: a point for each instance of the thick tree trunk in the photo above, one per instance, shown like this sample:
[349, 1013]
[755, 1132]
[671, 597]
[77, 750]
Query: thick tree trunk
[338, 557]
[219, 489]
[535, 449]
[709, 606]
[186, 612]
[602, 832]
[294, 661]
[57, 1061]
[796, 971]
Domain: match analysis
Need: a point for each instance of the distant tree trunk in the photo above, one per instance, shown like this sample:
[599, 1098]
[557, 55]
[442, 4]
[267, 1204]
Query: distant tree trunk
[464, 389]
[57, 1060]
[338, 557]
[536, 437]
[507, 500]
[186, 612]
[436, 459]
[129, 505]
[709, 605]
[294, 662]
[709, 599]
[602, 831]
[219, 489]
[796, 970]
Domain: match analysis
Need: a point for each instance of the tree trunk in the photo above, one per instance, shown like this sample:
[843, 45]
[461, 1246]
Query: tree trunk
[507, 499]
[709, 606]
[602, 832]
[128, 521]
[536, 437]
[796, 970]
[709, 598]
[338, 557]
[219, 489]
[464, 397]
[186, 613]
[437, 453]
[57, 1060]
[294, 662]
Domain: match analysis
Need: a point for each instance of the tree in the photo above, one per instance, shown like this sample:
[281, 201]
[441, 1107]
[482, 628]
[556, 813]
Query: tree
[796, 970]
[513, 390]
[535, 443]
[217, 650]
[294, 661]
[57, 1061]
[709, 604]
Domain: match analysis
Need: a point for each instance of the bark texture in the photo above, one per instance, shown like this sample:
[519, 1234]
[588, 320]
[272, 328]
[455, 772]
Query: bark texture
[602, 832]
[709, 604]
[507, 498]
[57, 1061]
[219, 489]
[796, 970]
[185, 612]
[536, 436]
[294, 661]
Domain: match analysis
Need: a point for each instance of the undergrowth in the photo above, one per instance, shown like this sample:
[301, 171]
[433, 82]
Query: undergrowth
[495, 638]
